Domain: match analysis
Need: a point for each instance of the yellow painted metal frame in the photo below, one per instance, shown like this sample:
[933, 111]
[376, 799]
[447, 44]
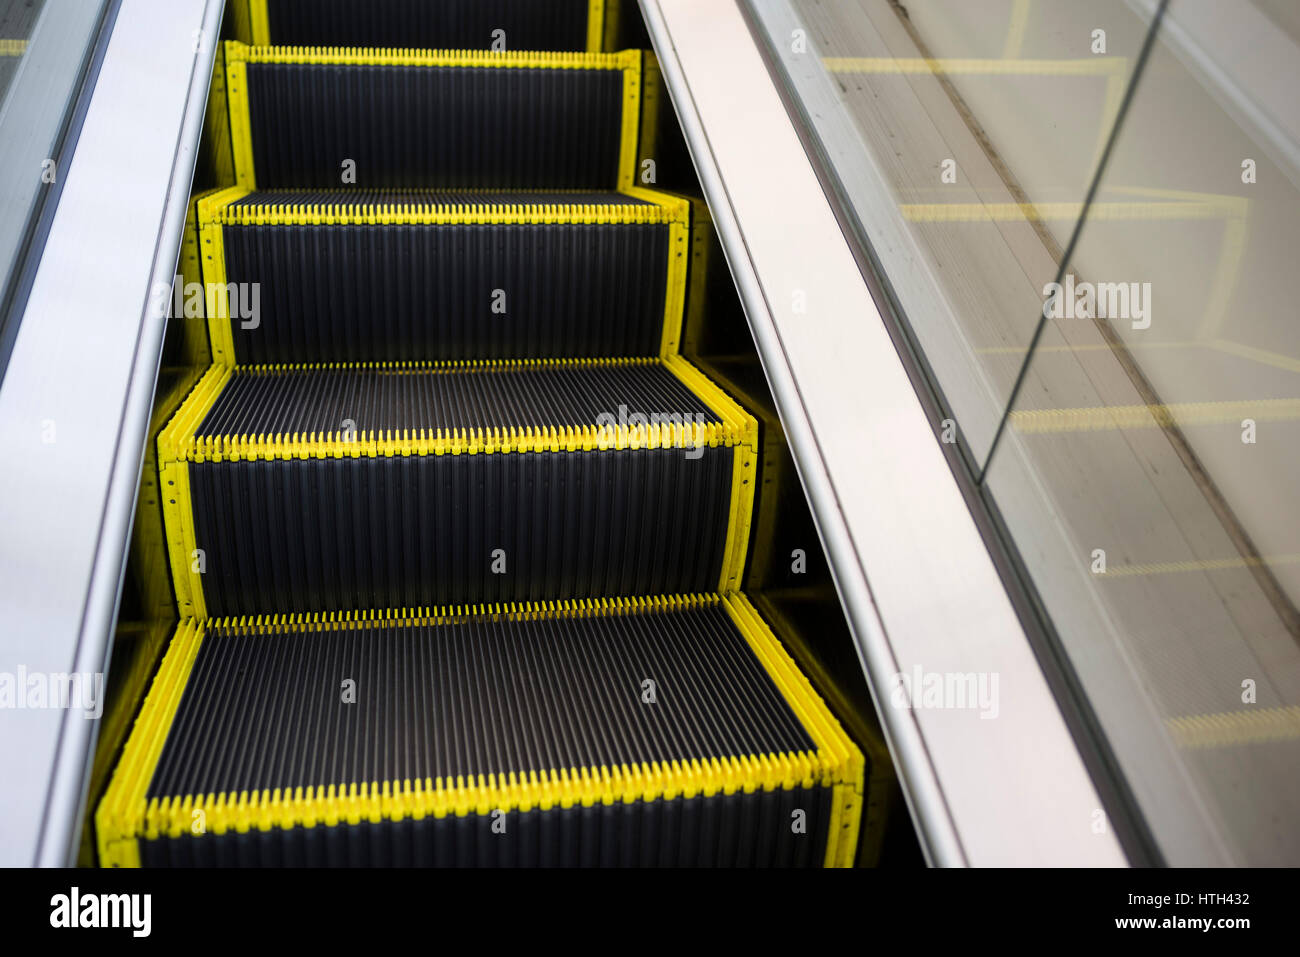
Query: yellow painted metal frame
[126, 816]
[178, 446]
[880, 793]
[152, 637]
[259, 23]
[842, 763]
[239, 55]
[117, 822]
[216, 125]
[679, 239]
[213, 257]
[743, 471]
[596, 25]
[627, 159]
[174, 485]
[241, 130]
[216, 211]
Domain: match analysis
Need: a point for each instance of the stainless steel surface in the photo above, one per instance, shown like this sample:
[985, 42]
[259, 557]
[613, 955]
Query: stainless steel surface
[917, 582]
[75, 402]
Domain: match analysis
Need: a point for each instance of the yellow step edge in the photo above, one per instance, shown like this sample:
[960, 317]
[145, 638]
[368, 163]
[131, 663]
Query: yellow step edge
[734, 427]
[120, 817]
[179, 448]
[423, 214]
[252, 23]
[125, 816]
[220, 209]
[216, 211]
[237, 52]
[239, 55]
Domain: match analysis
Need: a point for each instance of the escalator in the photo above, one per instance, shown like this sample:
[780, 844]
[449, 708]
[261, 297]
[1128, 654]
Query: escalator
[457, 519]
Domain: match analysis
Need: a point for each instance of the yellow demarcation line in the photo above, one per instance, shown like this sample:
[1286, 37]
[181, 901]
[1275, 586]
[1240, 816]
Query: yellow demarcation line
[179, 448]
[1231, 728]
[217, 211]
[1083, 347]
[1086, 66]
[424, 214]
[1173, 205]
[1102, 418]
[1016, 29]
[1262, 356]
[178, 441]
[1203, 565]
[239, 55]
[12, 47]
[253, 25]
[1232, 247]
[401, 56]
[1113, 68]
[1067, 211]
[126, 816]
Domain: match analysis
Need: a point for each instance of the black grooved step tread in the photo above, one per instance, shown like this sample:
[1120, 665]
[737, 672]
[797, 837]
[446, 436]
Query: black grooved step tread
[442, 198]
[476, 696]
[321, 401]
[396, 125]
[371, 275]
[459, 24]
[324, 489]
[658, 730]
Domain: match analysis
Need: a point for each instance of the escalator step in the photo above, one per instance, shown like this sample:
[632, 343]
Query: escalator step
[369, 275]
[308, 117]
[391, 486]
[653, 731]
[460, 24]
